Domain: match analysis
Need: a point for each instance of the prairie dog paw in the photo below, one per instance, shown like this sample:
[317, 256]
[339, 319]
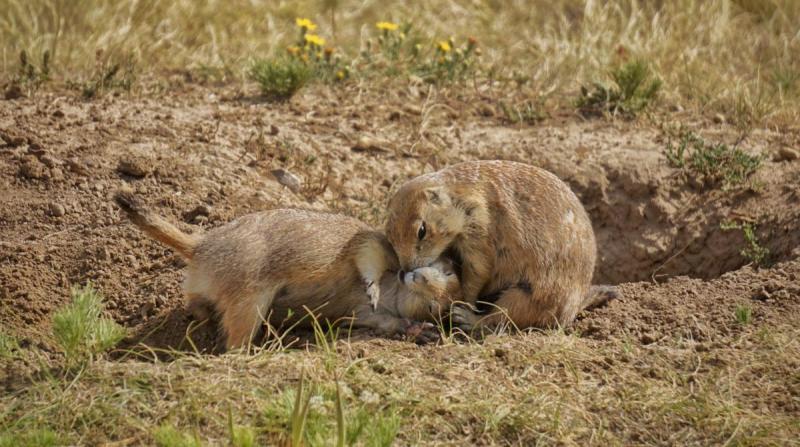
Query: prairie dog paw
[463, 317]
[374, 294]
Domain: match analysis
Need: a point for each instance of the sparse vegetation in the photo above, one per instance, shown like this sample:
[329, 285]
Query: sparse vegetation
[8, 346]
[280, 78]
[743, 314]
[168, 436]
[711, 163]
[753, 251]
[634, 88]
[80, 329]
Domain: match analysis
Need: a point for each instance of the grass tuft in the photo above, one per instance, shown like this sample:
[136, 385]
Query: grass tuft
[712, 163]
[280, 78]
[41, 437]
[753, 251]
[634, 88]
[8, 346]
[79, 328]
[168, 436]
[743, 314]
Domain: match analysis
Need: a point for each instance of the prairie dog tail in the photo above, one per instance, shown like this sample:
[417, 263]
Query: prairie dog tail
[598, 295]
[155, 226]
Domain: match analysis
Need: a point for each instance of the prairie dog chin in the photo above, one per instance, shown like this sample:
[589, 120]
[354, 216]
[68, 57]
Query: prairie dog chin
[524, 240]
[272, 265]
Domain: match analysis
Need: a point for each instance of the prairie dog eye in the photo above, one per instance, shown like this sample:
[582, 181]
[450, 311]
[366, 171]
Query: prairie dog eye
[421, 231]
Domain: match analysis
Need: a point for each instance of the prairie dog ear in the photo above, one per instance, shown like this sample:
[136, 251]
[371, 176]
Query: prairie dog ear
[437, 195]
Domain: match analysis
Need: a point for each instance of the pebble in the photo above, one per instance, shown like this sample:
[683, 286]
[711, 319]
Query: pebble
[134, 167]
[33, 169]
[287, 179]
[56, 209]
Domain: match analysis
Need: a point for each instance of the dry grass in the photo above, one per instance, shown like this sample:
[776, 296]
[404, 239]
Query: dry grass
[547, 388]
[737, 58]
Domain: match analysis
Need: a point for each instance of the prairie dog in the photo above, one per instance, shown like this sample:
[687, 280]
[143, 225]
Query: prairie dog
[277, 265]
[520, 233]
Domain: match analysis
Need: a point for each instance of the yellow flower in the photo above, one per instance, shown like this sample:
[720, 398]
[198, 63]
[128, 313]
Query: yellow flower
[293, 50]
[305, 24]
[387, 26]
[315, 40]
[444, 46]
[340, 74]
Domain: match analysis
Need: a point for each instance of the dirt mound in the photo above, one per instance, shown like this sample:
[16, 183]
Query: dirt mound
[201, 157]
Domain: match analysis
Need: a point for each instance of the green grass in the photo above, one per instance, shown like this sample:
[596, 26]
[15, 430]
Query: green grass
[711, 164]
[753, 251]
[34, 438]
[743, 314]
[80, 329]
[280, 78]
[168, 436]
[8, 346]
[634, 88]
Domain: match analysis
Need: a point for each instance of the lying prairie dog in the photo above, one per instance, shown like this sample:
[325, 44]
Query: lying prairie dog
[523, 239]
[273, 264]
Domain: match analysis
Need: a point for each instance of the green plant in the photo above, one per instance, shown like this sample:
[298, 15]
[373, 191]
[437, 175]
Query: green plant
[634, 88]
[41, 437]
[712, 163]
[754, 251]
[527, 112]
[240, 436]
[168, 436]
[449, 62]
[79, 328]
[29, 74]
[743, 314]
[280, 78]
[108, 75]
[8, 346]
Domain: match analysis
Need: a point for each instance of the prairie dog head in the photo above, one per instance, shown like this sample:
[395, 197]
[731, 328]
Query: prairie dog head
[435, 288]
[423, 223]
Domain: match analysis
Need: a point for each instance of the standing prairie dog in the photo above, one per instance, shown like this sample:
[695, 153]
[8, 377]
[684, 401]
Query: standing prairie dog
[271, 265]
[520, 233]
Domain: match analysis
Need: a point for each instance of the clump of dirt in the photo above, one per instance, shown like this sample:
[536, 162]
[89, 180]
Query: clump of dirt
[203, 156]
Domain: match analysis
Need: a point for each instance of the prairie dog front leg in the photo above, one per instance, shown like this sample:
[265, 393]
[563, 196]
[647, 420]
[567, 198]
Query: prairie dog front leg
[374, 257]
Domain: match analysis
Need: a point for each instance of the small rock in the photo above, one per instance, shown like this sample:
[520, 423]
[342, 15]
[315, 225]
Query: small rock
[200, 220]
[719, 118]
[50, 161]
[273, 130]
[77, 166]
[56, 210]
[58, 113]
[201, 210]
[56, 174]
[786, 154]
[135, 166]
[32, 168]
[648, 338]
[287, 179]
[12, 139]
[369, 144]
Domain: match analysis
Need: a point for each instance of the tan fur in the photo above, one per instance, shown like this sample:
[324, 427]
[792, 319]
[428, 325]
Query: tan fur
[520, 233]
[272, 266]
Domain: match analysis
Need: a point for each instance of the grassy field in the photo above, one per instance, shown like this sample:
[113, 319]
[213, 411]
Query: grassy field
[736, 58]
[676, 122]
